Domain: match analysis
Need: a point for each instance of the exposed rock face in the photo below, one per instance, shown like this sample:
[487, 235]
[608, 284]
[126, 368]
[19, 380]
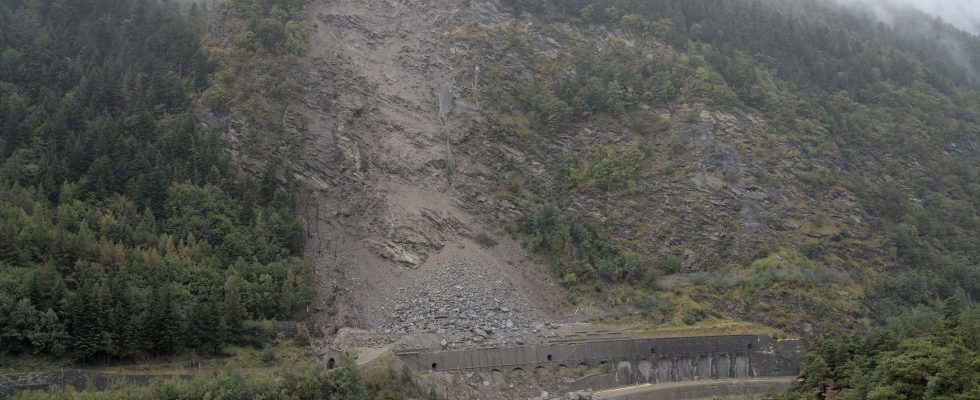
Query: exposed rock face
[381, 117]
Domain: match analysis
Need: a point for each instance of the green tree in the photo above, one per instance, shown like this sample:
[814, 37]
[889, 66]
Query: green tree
[346, 383]
[87, 329]
[233, 308]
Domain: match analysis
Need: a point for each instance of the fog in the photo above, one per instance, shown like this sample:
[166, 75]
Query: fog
[963, 14]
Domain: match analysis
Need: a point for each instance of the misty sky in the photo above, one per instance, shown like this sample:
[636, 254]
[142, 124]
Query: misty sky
[964, 14]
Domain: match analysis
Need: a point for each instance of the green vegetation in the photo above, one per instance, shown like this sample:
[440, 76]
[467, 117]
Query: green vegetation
[261, 40]
[581, 250]
[607, 169]
[126, 232]
[925, 355]
[886, 115]
[295, 382]
[849, 91]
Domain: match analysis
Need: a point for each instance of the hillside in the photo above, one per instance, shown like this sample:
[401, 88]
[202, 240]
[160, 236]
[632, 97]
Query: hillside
[675, 166]
[456, 174]
[659, 167]
[758, 181]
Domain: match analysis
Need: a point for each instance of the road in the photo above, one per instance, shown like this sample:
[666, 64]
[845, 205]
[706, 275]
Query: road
[697, 389]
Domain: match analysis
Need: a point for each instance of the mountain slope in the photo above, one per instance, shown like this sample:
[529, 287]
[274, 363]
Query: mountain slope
[672, 162]
[782, 159]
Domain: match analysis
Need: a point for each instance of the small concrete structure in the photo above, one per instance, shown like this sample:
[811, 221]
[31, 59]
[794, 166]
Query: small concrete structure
[634, 361]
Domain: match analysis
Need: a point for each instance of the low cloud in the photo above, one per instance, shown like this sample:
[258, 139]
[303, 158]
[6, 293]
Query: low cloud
[963, 14]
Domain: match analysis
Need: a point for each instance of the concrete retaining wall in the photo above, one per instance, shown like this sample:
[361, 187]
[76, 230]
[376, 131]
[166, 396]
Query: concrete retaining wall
[635, 360]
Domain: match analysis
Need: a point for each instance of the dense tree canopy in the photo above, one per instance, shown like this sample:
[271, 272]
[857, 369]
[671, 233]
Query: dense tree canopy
[126, 231]
[929, 355]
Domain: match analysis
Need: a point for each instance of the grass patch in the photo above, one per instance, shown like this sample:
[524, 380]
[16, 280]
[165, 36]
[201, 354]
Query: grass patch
[640, 328]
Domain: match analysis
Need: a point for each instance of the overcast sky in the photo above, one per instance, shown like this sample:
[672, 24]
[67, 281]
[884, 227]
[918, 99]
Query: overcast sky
[964, 14]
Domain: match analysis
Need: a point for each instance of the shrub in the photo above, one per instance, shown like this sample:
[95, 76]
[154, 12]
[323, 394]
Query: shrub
[268, 355]
[676, 145]
[569, 280]
[669, 264]
[812, 250]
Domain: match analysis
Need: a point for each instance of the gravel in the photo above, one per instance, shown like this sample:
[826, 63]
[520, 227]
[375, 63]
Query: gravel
[467, 304]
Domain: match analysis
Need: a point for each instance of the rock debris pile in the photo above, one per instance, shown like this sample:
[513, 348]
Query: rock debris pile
[467, 304]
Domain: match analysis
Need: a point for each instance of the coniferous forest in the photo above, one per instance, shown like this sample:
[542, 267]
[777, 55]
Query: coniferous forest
[125, 231]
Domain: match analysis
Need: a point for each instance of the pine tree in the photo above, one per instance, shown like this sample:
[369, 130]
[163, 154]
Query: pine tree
[288, 294]
[138, 335]
[198, 325]
[10, 249]
[233, 308]
[120, 313]
[87, 331]
[165, 323]
[952, 308]
[219, 327]
[47, 287]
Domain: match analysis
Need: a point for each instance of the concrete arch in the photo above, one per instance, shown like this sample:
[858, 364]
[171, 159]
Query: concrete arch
[741, 369]
[331, 363]
[663, 367]
[703, 370]
[645, 368]
[625, 372]
[724, 367]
